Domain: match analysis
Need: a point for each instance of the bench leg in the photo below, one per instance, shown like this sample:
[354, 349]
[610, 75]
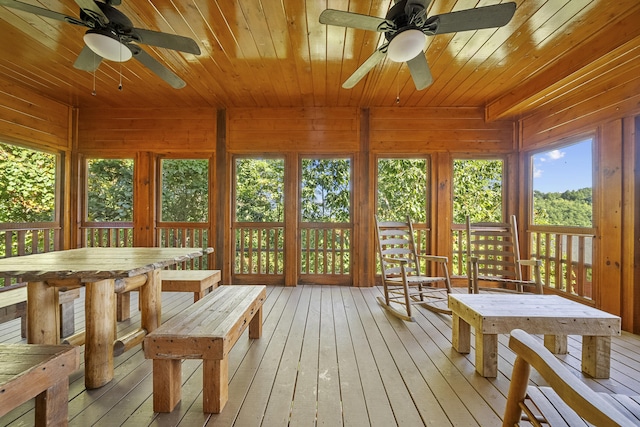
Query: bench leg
[487, 354]
[167, 383]
[52, 405]
[596, 356]
[556, 344]
[215, 388]
[67, 319]
[124, 306]
[461, 335]
[255, 326]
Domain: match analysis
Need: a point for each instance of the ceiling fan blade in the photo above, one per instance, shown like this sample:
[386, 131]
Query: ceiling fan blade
[420, 71]
[93, 10]
[87, 60]
[169, 41]
[40, 11]
[475, 19]
[160, 70]
[366, 66]
[354, 20]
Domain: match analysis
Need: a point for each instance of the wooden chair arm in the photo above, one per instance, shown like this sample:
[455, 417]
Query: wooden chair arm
[395, 260]
[533, 262]
[434, 258]
[575, 393]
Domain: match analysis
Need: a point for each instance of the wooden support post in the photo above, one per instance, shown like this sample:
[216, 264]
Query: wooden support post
[43, 326]
[215, 384]
[150, 299]
[167, 383]
[100, 329]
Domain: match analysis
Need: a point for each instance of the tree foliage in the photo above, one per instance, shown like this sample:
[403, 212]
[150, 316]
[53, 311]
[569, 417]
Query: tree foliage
[477, 190]
[326, 190]
[402, 189]
[185, 185]
[259, 190]
[570, 208]
[110, 190]
[27, 187]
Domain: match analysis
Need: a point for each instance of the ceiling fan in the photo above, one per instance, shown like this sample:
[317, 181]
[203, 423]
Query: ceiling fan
[112, 36]
[405, 28]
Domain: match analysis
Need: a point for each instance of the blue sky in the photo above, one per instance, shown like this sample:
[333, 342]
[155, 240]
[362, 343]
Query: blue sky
[565, 168]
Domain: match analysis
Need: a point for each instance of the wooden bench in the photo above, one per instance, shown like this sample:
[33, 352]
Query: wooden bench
[13, 305]
[206, 330]
[40, 371]
[197, 281]
[567, 401]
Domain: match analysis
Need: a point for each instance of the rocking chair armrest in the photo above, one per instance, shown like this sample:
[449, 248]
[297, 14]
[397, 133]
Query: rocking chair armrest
[435, 258]
[395, 260]
[533, 262]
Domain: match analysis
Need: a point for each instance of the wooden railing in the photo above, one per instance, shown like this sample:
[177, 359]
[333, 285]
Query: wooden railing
[107, 234]
[25, 239]
[185, 235]
[325, 248]
[258, 248]
[566, 254]
[567, 258]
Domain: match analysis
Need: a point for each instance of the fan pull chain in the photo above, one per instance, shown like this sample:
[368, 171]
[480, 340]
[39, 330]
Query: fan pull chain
[397, 92]
[93, 92]
[120, 72]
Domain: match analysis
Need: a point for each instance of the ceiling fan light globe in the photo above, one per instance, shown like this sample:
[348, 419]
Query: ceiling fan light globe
[406, 45]
[107, 45]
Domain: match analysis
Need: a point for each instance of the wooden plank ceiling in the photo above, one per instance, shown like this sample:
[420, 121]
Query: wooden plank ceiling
[264, 53]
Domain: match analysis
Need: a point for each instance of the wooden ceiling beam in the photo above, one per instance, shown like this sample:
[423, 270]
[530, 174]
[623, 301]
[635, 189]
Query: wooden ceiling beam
[538, 88]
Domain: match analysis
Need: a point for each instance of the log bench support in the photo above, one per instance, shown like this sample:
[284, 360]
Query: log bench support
[206, 330]
[197, 281]
[13, 305]
[40, 371]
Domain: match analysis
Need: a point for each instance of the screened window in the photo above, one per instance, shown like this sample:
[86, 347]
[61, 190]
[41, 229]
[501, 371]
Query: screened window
[109, 190]
[259, 190]
[563, 185]
[402, 189]
[185, 190]
[28, 185]
[477, 190]
[326, 190]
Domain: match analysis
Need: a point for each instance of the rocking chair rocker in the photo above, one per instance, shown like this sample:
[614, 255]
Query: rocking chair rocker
[402, 280]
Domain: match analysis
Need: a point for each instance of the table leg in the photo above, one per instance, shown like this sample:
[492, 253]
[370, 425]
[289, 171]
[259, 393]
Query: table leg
[461, 335]
[100, 310]
[151, 301]
[556, 344]
[596, 356]
[43, 317]
[487, 354]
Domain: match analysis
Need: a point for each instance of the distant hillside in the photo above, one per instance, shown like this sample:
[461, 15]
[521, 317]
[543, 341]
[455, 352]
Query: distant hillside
[571, 208]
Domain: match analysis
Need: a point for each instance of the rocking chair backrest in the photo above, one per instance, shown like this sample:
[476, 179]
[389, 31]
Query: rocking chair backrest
[395, 246]
[495, 245]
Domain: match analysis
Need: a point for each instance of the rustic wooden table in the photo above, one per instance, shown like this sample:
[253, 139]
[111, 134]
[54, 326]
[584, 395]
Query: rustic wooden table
[103, 271]
[550, 315]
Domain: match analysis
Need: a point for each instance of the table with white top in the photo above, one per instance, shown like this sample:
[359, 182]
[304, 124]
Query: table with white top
[553, 316]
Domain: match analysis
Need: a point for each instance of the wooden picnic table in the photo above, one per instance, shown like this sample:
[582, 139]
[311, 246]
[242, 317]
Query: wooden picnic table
[104, 272]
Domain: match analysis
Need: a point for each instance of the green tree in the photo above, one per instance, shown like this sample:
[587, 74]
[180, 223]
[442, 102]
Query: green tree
[326, 190]
[570, 208]
[260, 190]
[402, 189]
[110, 190]
[185, 190]
[477, 190]
[27, 188]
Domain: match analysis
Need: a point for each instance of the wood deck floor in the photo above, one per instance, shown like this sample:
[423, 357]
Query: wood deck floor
[328, 356]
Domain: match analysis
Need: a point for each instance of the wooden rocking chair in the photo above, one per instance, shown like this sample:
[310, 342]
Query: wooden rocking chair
[566, 401]
[493, 255]
[402, 281]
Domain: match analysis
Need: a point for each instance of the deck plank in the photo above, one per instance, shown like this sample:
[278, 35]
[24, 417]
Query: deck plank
[329, 355]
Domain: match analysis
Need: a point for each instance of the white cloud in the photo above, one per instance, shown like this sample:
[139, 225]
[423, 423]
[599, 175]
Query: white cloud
[537, 172]
[555, 155]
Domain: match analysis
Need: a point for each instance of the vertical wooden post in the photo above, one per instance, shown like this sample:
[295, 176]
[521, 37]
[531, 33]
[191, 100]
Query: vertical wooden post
[100, 301]
[43, 315]
[151, 301]
[222, 202]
